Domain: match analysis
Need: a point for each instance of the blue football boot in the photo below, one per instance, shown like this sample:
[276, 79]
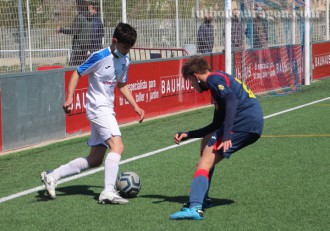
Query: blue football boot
[195, 213]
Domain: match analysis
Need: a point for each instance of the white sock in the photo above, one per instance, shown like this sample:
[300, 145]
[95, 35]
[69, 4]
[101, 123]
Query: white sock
[71, 168]
[111, 167]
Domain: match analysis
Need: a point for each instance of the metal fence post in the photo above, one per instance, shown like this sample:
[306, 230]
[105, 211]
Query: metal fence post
[21, 36]
[124, 16]
[29, 31]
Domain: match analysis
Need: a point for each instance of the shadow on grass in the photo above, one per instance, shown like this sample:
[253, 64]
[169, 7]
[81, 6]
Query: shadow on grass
[183, 199]
[69, 190]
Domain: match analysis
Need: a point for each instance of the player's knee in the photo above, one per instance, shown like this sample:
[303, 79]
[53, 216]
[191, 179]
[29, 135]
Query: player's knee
[117, 149]
[117, 146]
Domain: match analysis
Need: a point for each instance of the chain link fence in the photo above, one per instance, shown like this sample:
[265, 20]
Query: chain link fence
[29, 41]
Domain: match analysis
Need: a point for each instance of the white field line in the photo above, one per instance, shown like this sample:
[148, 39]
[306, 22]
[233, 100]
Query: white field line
[295, 108]
[67, 179]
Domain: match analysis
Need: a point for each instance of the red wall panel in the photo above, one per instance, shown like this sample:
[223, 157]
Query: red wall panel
[76, 121]
[321, 60]
[271, 68]
[157, 87]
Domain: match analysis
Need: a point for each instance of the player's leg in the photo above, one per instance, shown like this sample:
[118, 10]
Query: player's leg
[50, 178]
[108, 129]
[96, 155]
[207, 200]
[199, 186]
[94, 159]
[200, 183]
[111, 168]
[208, 160]
[111, 163]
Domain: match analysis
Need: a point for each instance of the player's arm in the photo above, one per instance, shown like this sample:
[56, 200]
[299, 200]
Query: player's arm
[231, 102]
[75, 27]
[71, 88]
[181, 136]
[129, 97]
[231, 106]
[85, 68]
[201, 132]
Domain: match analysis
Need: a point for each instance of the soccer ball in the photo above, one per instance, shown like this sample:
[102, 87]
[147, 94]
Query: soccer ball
[128, 184]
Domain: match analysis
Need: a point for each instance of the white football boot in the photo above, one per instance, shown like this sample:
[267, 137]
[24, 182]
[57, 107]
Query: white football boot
[111, 198]
[50, 184]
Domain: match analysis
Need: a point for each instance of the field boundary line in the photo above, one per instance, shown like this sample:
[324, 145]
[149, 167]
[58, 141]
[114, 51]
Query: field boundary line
[90, 172]
[295, 108]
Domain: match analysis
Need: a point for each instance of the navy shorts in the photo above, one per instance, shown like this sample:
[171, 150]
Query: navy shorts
[239, 140]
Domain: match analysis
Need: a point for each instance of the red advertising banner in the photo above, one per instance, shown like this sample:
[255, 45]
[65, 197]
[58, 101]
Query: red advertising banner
[76, 121]
[159, 88]
[217, 62]
[156, 86]
[271, 68]
[321, 60]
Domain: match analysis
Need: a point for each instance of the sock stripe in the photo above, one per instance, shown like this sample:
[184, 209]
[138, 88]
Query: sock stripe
[202, 172]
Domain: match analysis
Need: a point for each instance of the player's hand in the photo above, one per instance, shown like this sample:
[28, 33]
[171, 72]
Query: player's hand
[67, 106]
[225, 145]
[140, 112]
[180, 136]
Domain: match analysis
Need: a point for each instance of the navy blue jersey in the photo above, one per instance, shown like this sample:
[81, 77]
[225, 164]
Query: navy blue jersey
[247, 116]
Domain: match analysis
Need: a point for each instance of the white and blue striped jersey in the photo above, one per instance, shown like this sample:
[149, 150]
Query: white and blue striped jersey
[104, 72]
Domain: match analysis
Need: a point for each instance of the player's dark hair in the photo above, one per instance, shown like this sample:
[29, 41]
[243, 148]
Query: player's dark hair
[195, 64]
[125, 33]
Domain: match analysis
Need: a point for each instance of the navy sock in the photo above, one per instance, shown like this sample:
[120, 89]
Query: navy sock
[198, 188]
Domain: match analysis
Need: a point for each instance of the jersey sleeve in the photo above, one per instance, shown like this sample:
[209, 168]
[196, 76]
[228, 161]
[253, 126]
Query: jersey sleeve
[90, 65]
[207, 129]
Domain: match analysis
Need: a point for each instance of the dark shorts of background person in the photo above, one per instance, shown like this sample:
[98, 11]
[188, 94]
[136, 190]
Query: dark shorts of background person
[78, 57]
[239, 141]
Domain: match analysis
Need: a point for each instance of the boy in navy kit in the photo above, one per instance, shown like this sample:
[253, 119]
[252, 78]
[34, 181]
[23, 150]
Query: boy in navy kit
[237, 123]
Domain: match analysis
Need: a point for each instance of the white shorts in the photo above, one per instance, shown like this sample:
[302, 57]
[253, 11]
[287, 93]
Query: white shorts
[103, 128]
